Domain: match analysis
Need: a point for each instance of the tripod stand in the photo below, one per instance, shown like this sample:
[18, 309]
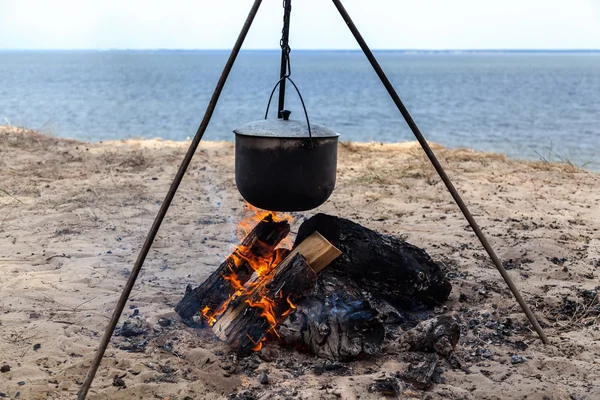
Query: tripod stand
[200, 133]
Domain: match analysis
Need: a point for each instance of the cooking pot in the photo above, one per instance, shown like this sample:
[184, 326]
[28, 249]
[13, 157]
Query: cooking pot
[284, 164]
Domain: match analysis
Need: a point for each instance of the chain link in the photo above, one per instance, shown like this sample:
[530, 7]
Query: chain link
[285, 32]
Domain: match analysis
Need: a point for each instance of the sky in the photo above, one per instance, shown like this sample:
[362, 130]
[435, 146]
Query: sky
[315, 24]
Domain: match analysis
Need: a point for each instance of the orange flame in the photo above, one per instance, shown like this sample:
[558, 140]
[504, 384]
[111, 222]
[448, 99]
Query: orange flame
[254, 216]
[262, 265]
[257, 345]
[267, 305]
[208, 315]
[235, 282]
[289, 310]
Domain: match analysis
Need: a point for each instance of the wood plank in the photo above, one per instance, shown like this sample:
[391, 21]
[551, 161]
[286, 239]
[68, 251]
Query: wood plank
[318, 251]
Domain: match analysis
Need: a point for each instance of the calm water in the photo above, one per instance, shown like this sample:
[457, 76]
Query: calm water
[518, 104]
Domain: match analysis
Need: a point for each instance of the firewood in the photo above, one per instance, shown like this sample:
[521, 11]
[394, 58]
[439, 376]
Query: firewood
[334, 321]
[364, 294]
[317, 251]
[254, 314]
[216, 289]
[383, 265]
[250, 316]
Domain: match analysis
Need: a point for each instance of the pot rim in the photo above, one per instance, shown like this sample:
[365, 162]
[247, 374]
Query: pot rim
[284, 129]
[287, 137]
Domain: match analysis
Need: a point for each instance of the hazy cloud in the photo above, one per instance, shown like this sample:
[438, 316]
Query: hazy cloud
[204, 24]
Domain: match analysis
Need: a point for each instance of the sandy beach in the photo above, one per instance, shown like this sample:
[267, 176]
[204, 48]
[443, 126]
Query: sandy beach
[73, 216]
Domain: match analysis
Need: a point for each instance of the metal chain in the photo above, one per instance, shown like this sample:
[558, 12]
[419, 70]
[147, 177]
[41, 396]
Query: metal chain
[285, 33]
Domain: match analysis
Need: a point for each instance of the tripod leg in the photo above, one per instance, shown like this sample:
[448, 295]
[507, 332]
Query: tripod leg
[440, 170]
[165, 205]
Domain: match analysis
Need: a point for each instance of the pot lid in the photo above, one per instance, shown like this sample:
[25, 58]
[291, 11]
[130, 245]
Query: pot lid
[281, 128]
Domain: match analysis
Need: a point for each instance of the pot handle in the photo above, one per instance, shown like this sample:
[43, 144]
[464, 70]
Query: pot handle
[301, 101]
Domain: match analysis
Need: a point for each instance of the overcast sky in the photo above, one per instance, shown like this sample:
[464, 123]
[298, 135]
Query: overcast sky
[385, 24]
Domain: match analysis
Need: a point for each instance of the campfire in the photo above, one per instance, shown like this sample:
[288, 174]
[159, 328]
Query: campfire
[260, 259]
[257, 286]
[338, 292]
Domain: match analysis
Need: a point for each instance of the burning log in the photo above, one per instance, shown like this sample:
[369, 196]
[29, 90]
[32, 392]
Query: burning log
[382, 265]
[265, 301]
[249, 317]
[258, 247]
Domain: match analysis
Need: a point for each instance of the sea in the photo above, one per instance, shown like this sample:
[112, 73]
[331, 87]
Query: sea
[527, 104]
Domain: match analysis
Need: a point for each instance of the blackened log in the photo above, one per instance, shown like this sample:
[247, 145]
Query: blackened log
[401, 273]
[334, 321]
[244, 324]
[215, 290]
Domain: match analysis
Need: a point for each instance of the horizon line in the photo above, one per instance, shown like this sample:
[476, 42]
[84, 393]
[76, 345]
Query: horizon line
[503, 50]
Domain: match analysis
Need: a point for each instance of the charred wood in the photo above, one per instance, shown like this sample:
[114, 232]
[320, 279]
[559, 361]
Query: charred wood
[215, 290]
[399, 272]
[334, 321]
[251, 316]
[421, 370]
[268, 300]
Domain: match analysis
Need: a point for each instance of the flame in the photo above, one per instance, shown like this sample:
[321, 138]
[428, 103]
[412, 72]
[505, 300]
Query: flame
[235, 282]
[257, 345]
[208, 315]
[292, 305]
[262, 265]
[289, 310]
[268, 307]
[254, 216]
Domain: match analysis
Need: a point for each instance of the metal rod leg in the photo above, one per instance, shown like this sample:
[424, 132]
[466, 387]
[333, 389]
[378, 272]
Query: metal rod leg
[165, 205]
[440, 170]
[287, 6]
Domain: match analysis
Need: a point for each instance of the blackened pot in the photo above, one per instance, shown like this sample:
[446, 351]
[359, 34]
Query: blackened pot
[278, 167]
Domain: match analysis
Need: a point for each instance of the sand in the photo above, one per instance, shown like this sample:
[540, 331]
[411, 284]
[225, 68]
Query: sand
[73, 216]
